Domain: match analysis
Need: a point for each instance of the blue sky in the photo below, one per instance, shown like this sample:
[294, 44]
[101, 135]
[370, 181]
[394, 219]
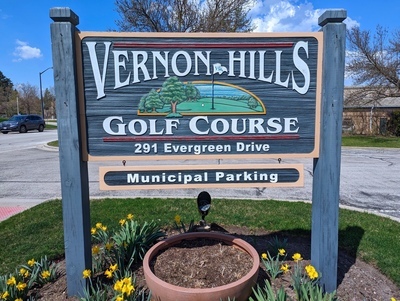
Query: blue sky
[25, 47]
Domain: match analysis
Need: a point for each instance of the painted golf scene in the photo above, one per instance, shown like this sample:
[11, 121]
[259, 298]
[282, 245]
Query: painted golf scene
[176, 98]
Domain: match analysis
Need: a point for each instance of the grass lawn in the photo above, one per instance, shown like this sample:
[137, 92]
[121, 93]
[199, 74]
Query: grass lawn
[39, 231]
[50, 127]
[371, 141]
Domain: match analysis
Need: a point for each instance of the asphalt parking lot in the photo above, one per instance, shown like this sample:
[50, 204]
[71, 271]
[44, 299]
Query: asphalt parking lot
[30, 174]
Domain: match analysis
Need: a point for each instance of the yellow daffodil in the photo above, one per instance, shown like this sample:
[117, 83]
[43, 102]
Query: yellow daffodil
[95, 250]
[297, 257]
[22, 271]
[99, 225]
[127, 281]
[122, 221]
[114, 267]
[285, 268]
[45, 274]
[5, 295]
[311, 272]
[21, 286]
[86, 273]
[18, 299]
[109, 245]
[93, 231]
[104, 228]
[392, 299]
[177, 219]
[118, 286]
[12, 281]
[281, 252]
[31, 262]
[124, 286]
[108, 274]
[264, 256]
[120, 298]
[127, 287]
[129, 216]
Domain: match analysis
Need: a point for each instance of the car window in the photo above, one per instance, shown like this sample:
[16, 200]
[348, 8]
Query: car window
[17, 117]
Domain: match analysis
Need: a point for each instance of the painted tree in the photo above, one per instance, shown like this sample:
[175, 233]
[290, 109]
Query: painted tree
[142, 102]
[252, 103]
[184, 15]
[173, 93]
[192, 93]
[153, 101]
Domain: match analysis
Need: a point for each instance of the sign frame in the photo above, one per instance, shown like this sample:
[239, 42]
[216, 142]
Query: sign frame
[88, 156]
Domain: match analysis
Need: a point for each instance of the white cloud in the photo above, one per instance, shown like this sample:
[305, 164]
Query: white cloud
[288, 16]
[25, 52]
[350, 23]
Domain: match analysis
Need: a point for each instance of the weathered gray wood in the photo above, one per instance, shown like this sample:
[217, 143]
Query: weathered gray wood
[74, 171]
[326, 182]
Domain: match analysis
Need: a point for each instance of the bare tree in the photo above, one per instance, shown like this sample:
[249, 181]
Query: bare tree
[225, 16]
[374, 65]
[184, 15]
[29, 101]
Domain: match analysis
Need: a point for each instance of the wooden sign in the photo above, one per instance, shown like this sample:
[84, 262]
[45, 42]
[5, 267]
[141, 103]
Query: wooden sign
[211, 176]
[203, 96]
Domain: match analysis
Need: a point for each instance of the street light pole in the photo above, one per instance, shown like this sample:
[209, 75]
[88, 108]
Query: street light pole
[41, 94]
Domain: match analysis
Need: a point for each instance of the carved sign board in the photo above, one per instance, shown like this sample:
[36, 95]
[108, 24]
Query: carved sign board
[213, 176]
[205, 96]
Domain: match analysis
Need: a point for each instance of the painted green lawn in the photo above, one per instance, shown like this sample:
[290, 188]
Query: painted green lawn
[221, 105]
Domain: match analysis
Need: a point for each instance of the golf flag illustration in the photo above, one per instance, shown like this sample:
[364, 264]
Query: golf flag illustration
[218, 68]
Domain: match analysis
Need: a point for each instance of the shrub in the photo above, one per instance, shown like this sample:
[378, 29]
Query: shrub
[394, 123]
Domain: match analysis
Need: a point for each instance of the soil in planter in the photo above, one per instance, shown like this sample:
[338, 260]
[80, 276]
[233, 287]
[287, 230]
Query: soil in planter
[210, 263]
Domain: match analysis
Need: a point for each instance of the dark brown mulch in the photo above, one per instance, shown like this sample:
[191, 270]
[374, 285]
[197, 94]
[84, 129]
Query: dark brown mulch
[201, 263]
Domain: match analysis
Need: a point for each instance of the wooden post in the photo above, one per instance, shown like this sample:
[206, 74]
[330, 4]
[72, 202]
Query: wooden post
[326, 182]
[74, 171]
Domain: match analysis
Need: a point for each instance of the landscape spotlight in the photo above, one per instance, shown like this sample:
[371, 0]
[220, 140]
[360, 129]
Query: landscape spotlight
[203, 205]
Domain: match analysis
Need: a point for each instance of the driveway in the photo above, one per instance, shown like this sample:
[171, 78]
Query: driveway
[30, 174]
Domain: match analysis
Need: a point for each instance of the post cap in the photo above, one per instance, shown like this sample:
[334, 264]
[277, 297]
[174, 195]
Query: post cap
[332, 16]
[64, 14]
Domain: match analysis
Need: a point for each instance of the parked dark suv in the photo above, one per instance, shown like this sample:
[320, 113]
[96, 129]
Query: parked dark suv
[22, 124]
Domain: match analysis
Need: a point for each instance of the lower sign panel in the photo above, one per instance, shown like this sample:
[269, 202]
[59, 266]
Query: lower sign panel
[196, 176]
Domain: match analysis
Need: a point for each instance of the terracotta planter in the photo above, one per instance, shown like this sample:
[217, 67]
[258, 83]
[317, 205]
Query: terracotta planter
[239, 290]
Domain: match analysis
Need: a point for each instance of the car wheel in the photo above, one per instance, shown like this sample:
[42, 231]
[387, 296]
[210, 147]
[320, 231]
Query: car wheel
[41, 128]
[22, 129]
[4, 132]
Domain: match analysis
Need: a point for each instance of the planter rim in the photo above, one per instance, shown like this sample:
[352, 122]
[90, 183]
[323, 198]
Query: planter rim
[193, 235]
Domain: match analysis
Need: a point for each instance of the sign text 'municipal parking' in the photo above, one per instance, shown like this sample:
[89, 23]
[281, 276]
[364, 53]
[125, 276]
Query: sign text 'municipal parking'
[117, 178]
